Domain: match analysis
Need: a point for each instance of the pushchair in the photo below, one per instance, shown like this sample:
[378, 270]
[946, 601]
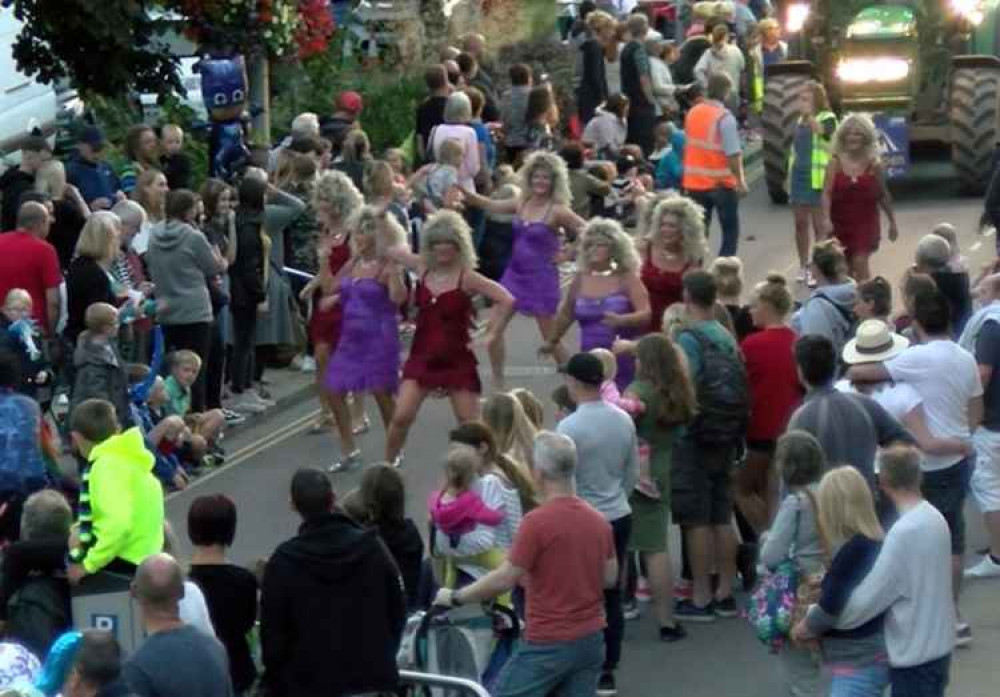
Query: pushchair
[473, 642]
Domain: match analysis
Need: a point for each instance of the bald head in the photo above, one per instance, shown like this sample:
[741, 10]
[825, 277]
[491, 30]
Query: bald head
[34, 217]
[159, 584]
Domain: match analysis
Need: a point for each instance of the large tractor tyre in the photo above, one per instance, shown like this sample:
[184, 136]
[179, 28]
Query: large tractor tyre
[782, 97]
[975, 124]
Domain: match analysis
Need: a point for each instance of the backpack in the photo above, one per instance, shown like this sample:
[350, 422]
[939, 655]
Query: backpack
[723, 396]
[39, 612]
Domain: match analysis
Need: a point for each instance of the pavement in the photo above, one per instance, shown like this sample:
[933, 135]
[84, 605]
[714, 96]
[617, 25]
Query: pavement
[722, 658]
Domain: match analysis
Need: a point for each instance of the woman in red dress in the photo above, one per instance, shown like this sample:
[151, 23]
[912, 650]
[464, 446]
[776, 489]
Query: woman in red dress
[672, 243]
[854, 191]
[335, 199]
[441, 360]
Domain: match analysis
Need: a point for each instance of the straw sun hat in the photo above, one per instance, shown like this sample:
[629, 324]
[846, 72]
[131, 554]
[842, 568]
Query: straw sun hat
[874, 343]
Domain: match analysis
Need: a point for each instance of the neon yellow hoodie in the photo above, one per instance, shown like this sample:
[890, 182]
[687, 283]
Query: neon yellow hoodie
[121, 504]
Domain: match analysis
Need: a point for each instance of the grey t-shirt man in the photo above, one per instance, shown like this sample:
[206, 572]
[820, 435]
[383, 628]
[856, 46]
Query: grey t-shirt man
[182, 662]
[607, 454]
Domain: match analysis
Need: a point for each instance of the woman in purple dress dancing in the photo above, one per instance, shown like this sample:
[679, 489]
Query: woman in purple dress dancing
[532, 275]
[370, 290]
[607, 297]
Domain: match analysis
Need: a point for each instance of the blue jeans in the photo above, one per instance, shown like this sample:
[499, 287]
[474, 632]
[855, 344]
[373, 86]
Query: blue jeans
[565, 668]
[868, 681]
[925, 680]
[726, 203]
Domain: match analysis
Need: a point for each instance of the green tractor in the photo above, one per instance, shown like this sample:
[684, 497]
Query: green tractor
[925, 70]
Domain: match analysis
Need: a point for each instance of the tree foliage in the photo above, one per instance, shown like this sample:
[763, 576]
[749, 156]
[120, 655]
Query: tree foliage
[108, 47]
[102, 46]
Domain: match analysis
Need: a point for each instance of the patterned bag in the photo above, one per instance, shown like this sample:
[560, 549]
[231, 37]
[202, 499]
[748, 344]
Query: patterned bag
[772, 603]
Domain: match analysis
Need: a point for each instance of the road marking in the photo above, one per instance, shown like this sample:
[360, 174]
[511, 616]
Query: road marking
[250, 450]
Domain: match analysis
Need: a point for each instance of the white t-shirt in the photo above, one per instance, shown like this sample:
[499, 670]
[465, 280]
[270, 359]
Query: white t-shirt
[899, 399]
[947, 377]
[194, 609]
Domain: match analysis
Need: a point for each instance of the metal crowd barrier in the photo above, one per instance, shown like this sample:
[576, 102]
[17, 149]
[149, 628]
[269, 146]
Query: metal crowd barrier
[453, 685]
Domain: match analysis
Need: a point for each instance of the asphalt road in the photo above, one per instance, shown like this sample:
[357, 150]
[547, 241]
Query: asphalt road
[718, 659]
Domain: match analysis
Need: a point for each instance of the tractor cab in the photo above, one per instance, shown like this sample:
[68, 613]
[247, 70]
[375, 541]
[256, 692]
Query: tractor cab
[878, 63]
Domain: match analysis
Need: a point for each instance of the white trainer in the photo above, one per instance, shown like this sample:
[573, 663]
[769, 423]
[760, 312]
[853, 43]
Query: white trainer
[986, 568]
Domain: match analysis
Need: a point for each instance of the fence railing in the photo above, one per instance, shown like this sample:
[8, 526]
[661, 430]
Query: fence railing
[453, 685]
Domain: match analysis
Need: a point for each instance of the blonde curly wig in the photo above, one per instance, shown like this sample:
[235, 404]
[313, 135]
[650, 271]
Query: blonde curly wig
[447, 226]
[690, 216]
[556, 167]
[604, 230]
[335, 192]
[377, 222]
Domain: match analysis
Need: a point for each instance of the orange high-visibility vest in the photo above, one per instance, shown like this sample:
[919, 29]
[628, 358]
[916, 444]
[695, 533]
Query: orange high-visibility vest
[706, 166]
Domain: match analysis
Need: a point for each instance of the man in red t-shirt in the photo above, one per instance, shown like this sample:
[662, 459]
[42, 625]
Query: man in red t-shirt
[28, 261]
[564, 555]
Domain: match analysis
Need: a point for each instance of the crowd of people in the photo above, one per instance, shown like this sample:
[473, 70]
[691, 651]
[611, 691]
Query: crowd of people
[832, 436]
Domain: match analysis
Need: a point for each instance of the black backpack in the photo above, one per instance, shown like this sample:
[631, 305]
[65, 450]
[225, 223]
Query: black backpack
[723, 396]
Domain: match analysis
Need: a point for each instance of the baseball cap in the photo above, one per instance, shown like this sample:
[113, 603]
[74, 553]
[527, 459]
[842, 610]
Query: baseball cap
[350, 101]
[585, 367]
[92, 136]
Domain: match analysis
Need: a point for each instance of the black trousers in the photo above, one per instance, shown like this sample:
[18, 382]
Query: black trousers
[615, 631]
[195, 337]
[215, 368]
[244, 335]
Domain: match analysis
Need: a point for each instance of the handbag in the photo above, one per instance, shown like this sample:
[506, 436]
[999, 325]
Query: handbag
[770, 607]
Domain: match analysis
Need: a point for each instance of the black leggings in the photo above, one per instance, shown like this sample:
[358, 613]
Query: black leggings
[195, 337]
[244, 338]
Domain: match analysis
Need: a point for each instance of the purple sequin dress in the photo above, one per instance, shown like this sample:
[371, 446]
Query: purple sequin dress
[594, 333]
[532, 276]
[367, 355]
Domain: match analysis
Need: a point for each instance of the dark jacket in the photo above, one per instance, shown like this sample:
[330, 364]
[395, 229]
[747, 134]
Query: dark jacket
[407, 549]
[332, 612]
[86, 283]
[30, 367]
[689, 56]
[13, 183]
[246, 275]
[955, 287]
[593, 88]
[100, 374]
[93, 180]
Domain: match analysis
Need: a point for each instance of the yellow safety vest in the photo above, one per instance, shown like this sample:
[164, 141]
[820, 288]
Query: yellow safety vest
[820, 152]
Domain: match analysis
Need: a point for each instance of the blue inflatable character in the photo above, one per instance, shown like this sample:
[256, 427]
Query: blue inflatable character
[224, 89]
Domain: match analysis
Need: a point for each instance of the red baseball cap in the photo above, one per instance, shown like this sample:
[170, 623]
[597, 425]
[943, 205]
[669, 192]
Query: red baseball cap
[350, 101]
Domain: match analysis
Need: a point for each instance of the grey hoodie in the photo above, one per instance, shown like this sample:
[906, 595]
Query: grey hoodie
[100, 374]
[180, 263]
[826, 313]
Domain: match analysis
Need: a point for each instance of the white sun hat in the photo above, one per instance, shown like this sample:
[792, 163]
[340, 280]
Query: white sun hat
[874, 343]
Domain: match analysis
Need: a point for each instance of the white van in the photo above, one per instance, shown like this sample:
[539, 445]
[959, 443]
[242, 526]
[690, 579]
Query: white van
[25, 103]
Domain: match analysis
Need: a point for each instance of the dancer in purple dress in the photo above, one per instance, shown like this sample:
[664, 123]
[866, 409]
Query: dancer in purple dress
[370, 290]
[606, 298]
[532, 275]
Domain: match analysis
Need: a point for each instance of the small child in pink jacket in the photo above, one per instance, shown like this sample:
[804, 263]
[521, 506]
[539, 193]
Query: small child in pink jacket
[457, 509]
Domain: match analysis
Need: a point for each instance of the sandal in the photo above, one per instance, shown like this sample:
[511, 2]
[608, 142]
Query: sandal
[321, 425]
[363, 427]
[346, 464]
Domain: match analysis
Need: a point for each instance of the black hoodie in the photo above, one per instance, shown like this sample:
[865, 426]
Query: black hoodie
[332, 612]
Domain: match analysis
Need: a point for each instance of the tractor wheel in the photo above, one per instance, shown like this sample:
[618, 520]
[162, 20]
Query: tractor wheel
[975, 124]
[782, 96]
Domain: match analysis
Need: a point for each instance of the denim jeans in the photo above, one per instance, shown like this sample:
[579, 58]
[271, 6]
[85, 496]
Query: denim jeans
[726, 203]
[925, 680]
[868, 681]
[569, 669]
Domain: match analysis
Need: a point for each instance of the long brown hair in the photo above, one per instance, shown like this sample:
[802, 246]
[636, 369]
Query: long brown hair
[660, 366]
[477, 434]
